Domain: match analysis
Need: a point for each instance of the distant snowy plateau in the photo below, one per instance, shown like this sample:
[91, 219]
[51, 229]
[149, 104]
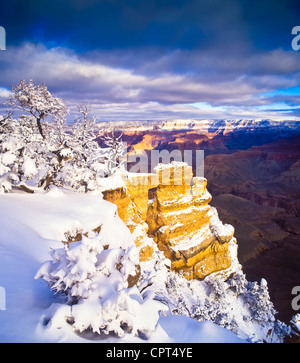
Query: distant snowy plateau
[218, 126]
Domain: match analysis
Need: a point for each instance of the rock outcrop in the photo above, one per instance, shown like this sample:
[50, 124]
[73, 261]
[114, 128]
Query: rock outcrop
[171, 209]
[131, 199]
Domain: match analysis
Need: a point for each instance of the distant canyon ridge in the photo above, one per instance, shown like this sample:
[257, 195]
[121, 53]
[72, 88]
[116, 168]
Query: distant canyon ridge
[253, 173]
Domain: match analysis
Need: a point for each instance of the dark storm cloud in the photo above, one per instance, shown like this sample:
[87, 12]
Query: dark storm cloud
[184, 24]
[141, 56]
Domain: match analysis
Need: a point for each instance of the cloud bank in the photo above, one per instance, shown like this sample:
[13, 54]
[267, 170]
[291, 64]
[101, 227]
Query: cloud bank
[121, 84]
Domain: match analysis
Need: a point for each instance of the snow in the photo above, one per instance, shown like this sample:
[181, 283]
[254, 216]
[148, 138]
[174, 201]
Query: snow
[185, 330]
[29, 168]
[186, 243]
[8, 158]
[34, 225]
[114, 181]
[224, 232]
[51, 216]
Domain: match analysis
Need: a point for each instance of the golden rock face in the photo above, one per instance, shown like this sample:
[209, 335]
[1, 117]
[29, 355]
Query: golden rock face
[132, 204]
[171, 208]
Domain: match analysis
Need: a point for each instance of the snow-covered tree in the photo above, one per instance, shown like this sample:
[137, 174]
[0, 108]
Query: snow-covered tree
[20, 151]
[30, 146]
[39, 149]
[117, 150]
[84, 133]
[38, 102]
[96, 278]
[86, 164]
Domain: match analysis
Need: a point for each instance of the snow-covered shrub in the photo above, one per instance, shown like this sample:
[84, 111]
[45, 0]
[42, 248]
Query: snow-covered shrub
[95, 278]
[116, 151]
[233, 303]
[86, 162]
[295, 328]
[257, 298]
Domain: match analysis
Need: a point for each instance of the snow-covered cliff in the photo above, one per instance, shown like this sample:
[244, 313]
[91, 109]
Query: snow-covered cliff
[92, 277]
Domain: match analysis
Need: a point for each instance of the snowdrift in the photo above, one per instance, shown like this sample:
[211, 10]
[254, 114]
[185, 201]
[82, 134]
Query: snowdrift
[34, 225]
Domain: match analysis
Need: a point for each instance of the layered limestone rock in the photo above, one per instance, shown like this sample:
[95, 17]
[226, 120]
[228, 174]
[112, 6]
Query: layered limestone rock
[178, 218]
[131, 199]
[186, 227]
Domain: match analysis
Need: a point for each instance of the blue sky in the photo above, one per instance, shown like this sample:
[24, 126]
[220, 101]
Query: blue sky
[157, 59]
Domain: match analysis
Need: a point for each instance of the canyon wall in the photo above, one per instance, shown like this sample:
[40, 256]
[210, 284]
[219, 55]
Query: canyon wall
[170, 209]
[253, 174]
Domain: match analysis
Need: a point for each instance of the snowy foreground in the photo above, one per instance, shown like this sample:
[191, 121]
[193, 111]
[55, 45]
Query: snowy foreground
[33, 225]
